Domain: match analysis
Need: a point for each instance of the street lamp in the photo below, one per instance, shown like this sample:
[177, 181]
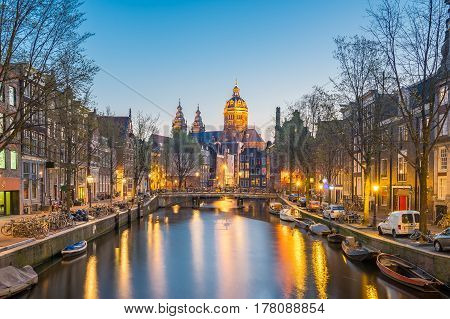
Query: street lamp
[375, 189]
[89, 180]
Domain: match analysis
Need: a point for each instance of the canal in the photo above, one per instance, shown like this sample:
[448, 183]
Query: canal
[218, 251]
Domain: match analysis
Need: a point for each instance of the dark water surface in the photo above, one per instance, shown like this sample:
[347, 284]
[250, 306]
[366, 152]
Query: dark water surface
[215, 252]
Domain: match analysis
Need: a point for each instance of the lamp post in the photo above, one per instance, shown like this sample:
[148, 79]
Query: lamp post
[298, 189]
[89, 180]
[375, 189]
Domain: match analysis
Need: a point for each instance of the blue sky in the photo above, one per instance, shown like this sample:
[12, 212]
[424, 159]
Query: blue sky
[194, 50]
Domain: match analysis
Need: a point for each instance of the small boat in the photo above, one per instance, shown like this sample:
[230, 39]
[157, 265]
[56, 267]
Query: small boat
[407, 273]
[335, 238]
[319, 229]
[355, 251]
[275, 208]
[285, 214]
[75, 249]
[14, 280]
[303, 222]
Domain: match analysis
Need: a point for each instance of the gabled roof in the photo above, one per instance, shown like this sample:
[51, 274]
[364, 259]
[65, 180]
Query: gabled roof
[122, 123]
[251, 135]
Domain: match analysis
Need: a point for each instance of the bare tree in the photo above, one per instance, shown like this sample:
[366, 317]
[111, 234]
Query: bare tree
[359, 63]
[33, 33]
[185, 156]
[144, 126]
[110, 131]
[411, 35]
[71, 113]
[319, 105]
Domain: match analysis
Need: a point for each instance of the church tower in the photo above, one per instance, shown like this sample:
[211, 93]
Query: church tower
[197, 125]
[179, 123]
[235, 114]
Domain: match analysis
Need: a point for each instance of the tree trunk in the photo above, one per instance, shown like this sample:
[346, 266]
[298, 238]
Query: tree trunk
[423, 172]
[367, 189]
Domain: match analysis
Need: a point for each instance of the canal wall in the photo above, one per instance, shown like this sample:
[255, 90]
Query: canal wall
[38, 251]
[434, 263]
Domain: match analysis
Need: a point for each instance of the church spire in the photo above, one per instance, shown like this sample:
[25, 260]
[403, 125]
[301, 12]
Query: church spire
[179, 122]
[197, 125]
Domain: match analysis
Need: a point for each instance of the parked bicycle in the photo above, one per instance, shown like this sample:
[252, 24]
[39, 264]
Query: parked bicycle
[417, 234]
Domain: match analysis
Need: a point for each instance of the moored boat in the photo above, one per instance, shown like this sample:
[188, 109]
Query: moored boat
[285, 214]
[275, 208]
[355, 251]
[15, 280]
[407, 273]
[335, 238]
[319, 229]
[303, 222]
[75, 249]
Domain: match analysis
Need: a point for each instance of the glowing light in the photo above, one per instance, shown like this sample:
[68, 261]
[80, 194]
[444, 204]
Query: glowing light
[91, 282]
[319, 261]
[89, 179]
[375, 188]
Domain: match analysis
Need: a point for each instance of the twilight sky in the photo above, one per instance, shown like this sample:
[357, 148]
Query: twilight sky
[161, 50]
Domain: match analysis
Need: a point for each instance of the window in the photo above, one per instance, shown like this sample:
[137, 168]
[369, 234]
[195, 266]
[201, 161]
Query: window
[384, 196]
[12, 95]
[402, 133]
[442, 187]
[13, 159]
[2, 159]
[27, 90]
[442, 159]
[2, 92]
[402, 167]
[444, 123]
[383, 168]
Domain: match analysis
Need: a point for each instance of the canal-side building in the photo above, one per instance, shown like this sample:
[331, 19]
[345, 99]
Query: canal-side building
[252, 168]
[10, 176]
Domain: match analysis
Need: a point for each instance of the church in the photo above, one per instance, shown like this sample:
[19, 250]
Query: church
[236, 155]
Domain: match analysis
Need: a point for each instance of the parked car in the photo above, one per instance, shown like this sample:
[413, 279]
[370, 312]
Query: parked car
[334, 211]
[302, 202]
[314, 205]
[293, 198]
[442, 240]
[402, 222]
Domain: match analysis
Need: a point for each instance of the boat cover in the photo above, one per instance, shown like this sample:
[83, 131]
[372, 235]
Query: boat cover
[75, 246]
[11, 276]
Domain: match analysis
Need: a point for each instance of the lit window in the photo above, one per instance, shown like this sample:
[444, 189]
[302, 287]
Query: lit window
[2, 159]
[13, 155]
[442, 187]
[402, 167]
[443, 159]
[12, 95]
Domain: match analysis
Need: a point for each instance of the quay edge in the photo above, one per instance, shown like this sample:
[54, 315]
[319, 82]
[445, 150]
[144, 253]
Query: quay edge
[436, 264]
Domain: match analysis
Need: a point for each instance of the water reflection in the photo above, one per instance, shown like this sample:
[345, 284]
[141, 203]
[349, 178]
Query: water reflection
[91, 281]
[292, 261]
[156, 260]
[218, 251]
[319, 262]
[196, 230]
[123, 266]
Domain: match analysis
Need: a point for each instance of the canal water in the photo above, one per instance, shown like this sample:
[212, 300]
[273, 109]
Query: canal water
[217, 251]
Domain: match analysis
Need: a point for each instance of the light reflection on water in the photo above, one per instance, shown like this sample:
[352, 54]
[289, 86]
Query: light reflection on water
[215, 252]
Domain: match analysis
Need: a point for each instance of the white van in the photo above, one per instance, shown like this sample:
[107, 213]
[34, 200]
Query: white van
[401, 222]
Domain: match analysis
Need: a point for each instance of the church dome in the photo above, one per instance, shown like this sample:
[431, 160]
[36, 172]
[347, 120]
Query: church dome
[236, 101]
[235, 114]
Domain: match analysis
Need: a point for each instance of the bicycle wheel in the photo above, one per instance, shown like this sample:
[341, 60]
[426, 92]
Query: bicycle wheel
[6, 229]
